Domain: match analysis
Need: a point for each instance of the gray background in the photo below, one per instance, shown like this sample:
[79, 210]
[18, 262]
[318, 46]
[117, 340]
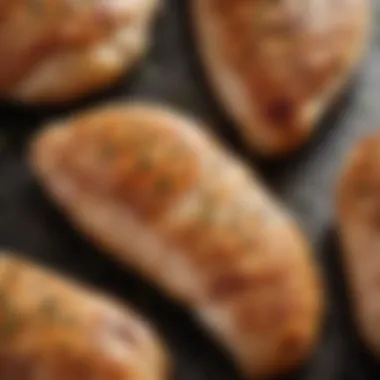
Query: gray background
[305, 182]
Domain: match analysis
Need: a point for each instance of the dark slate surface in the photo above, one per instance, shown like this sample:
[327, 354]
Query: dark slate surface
[172, 74]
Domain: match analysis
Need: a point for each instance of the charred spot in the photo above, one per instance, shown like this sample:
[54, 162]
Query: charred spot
[162, 185]
[145, 163]
[280, 111]
[230, 284]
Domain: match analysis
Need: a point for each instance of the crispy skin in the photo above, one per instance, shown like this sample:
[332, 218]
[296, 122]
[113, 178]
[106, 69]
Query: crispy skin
[56, 330]
[163, 197]
[277, 65]
[60, 50]
[358, 201]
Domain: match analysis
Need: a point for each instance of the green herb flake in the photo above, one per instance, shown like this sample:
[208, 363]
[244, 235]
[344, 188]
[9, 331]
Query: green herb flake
[145, 163]
[9, 324]
[51, 312]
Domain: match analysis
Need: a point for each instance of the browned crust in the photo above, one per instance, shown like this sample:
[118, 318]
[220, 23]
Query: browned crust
[45, 32]
[231, 254]
[247, 86]
[58, 27]
[57, 328]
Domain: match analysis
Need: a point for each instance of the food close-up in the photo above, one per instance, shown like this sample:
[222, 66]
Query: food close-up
[55, 51]
[189, 190]
[278, 65]
[165, 198]
[54, 329]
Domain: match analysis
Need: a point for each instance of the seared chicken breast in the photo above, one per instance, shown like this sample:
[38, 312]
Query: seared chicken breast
[54, 51]
[276, 66]
[164, 197]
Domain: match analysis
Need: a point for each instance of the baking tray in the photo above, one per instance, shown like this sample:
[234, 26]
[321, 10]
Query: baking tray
[305, 182]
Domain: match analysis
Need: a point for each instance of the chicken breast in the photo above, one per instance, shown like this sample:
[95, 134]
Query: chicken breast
[52, 329]
[276, 66]
[358, 208]
[162, 196]
[54, 51]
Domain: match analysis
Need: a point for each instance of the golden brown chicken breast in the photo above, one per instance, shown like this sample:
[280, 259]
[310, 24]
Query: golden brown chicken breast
[60, 50]
[359, 222]
[276, 65]
[52, 329]
[162, 196]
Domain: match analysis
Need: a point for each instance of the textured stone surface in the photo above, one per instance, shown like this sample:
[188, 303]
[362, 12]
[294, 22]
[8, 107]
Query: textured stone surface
[305, 182]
